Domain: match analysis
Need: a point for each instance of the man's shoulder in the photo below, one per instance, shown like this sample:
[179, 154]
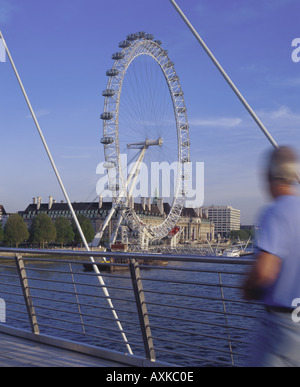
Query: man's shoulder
[283, 207]
[287, 202]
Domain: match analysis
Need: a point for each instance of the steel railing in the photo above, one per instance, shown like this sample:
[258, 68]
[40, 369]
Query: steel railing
[177, 309]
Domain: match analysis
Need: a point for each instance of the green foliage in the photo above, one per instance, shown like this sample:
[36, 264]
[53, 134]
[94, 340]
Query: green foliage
[87, 229]
[64, 231]
[243, 235]
[15, 230]
[42, 230]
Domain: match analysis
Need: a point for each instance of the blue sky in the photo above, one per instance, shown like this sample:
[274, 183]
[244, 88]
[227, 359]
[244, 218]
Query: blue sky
[63, 48]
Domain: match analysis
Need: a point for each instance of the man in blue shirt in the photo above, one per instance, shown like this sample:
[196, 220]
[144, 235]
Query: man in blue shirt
[275, 276]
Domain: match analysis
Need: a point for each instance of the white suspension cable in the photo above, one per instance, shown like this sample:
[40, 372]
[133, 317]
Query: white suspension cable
[224, 74]
[95, 267]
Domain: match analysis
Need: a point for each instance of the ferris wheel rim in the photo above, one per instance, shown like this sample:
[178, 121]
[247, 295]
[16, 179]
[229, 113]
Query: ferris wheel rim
[134, 46]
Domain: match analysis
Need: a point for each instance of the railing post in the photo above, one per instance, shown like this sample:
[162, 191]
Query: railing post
[225, 314]
[142, 309]
[77, 299]
[26, 293]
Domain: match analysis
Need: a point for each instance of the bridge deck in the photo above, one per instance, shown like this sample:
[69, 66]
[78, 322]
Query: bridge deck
[20, 352]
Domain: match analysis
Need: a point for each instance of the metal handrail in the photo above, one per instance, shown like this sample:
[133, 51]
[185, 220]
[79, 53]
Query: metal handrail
[184, 321]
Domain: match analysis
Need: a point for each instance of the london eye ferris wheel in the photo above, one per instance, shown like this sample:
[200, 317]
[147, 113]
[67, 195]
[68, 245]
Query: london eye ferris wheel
[144, 122]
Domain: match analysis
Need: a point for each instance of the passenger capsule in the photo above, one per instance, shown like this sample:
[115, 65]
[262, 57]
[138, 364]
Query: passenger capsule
[107, 140]
[112, 72]
[106, 116]
[108, 93]
[149, 36]
[132, 37]
[174, 79]
[168, 64]
[118, 55]
[124, 44]
[185, 143]
[178, 94]
[184, 127]
[114, 187]
[109, 164]
[141, 34]
[158, 42]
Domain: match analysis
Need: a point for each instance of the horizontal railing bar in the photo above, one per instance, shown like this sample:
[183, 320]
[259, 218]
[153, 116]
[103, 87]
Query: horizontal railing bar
[103, 274]
[84, 315]
[4, 273]
[216, 285]
[232, 339]
[136, 256]
[77, 283]
[81, 294]
[111, 329]
[110, 339]
[175, 294]
[85, 305]
[199, 309]
[194, 270]
[10, 285]
[187, 355]
[196, 345]
[14, 311]
[78, 323]
[11, 294]
[4, 257]
[229, 300]
[201, 322]
[17, 319]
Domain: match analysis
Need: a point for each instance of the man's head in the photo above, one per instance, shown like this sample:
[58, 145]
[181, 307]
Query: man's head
[282, 171]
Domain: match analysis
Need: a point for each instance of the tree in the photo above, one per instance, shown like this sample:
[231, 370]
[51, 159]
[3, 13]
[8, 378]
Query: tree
[42, 230]
[87, 229]
[64, 231]
[1, 233]
[15, 230]
[243, 235]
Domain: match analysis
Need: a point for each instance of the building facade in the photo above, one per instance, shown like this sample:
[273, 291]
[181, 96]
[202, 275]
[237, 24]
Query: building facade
[225, 219]
[194, 228]
[3, 215]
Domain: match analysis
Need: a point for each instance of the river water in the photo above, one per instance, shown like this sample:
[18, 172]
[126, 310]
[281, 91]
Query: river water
[185, 317]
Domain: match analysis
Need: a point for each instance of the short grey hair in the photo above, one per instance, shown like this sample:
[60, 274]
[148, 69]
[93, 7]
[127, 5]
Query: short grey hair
[283, 165]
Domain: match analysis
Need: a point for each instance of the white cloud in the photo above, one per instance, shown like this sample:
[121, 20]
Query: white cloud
[287, 82]
[40, 113]
[6, 10]
[281, 114]
[223, 122]
[77, 156]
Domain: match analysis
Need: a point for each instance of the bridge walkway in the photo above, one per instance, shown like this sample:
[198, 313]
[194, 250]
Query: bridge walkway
[21, 352]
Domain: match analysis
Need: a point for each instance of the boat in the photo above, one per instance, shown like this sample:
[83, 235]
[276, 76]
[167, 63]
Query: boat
[231, 252]
[107, 264]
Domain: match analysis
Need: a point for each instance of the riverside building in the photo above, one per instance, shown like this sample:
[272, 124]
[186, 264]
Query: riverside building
[225, 219]
[195, 227]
